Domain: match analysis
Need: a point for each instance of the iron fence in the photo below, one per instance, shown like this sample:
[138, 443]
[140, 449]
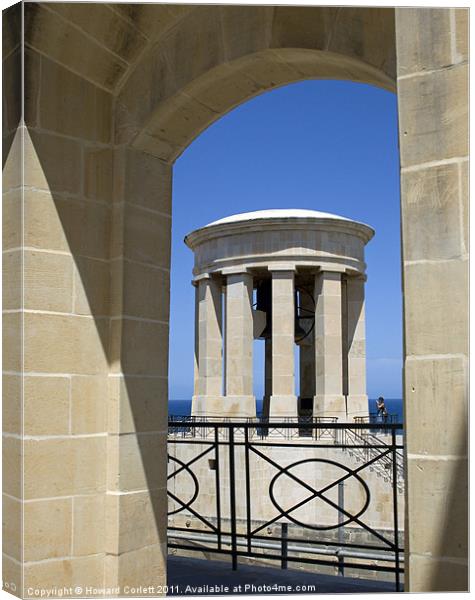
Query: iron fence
[224, 506]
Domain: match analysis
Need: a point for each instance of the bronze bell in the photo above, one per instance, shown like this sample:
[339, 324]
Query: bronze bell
[264, 303]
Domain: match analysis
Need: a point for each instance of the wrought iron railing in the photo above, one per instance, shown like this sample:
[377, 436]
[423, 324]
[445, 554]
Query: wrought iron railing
[244, 489]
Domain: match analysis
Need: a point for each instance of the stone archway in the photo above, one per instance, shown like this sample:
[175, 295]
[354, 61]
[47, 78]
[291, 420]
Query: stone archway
[106, 114]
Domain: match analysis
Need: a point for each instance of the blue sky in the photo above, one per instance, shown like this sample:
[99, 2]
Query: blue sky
[323, 145]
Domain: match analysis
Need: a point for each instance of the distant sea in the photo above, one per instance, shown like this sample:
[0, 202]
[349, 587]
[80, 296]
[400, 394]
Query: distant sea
[393, 406]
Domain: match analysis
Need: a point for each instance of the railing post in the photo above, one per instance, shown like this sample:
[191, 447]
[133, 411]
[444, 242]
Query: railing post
[248, 489]
[396, 524]
[232, 490]
[341, 531]
[217, 483]
[284, 543]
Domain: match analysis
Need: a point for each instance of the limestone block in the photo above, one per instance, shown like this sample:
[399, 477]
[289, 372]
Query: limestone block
[52, 163]
[90, 234]
[465, 201]
[268, 69]
[12, 161]
[368, 35]
[85, 572]
[154, 20]
[137, 404]
[12, 527]
[143, 180]
[63, 467]
[11, 23]
[239, 335]
[12, 476]
[154, 286]
[138, 516]
[89, 108]
[11, 275]
[283, 333]
[433, 116]
[435, 575]
[155, 146]
[105, 26]
[68, 344]
[11, 403]
[283, 405]
[12, 335]
[12, 576]
[436, 303]
[46, 405]
[132, 462]
[146, 237]
[132, 570]
[179, 119]
[88, 404]
[284, 384]
[431, 213]
[424, 39]
[47, 529]
[196, 46]
[12, 90]
[330, 405]
[88, 525]
[441, 509]
[84, 56]
[462, 33]
[98, 173]
[91, 287]
[436, 400]
[302, 27]
[246, 29]
[12, 223]
[31, 87]
[43, 223]
[139, 347]
[223, 87]
[48, 281]
[68, 225]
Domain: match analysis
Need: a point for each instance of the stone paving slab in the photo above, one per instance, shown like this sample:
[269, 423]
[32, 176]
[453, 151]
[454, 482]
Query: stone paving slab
[197, 577]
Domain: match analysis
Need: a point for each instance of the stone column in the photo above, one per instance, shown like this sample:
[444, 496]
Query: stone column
[208, 401]
[357, 401]
[329, 399]
[196, 355]
[283, 402]
[239, 401]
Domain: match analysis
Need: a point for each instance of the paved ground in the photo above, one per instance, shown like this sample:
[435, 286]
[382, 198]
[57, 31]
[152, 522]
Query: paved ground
[194, 576]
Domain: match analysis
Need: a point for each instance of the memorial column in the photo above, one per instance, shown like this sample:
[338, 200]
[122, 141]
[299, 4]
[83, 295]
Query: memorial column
[283, 401]
[239, 400]
[329, 399]
[210, 348]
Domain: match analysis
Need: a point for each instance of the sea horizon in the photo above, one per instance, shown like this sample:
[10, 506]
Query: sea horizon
[181, 407]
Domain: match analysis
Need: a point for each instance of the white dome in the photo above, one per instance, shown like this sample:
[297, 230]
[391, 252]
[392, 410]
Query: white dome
[278, 213]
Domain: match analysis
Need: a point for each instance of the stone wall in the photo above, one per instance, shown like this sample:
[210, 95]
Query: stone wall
[433, 104]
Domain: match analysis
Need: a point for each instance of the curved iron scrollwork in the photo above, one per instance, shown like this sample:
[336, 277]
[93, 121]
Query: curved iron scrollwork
[314, 494]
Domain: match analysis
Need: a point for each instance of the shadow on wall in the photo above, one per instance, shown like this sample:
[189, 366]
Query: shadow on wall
[11, 66]
[451, 517]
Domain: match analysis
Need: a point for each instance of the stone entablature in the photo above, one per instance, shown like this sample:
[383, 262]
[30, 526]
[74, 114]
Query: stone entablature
[293, 238]
[310, 266]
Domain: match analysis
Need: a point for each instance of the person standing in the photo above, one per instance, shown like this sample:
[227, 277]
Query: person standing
[381, 406]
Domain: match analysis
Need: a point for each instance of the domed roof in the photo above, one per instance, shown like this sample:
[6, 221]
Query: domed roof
[277, 213]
